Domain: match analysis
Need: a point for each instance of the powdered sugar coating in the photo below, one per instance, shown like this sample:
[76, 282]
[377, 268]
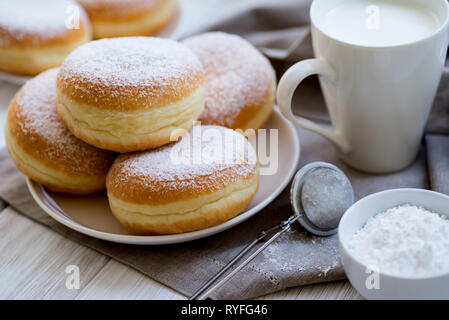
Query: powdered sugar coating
[36, 21]
[238, 76]
[207, 159]
[130, 73]
[38, 129]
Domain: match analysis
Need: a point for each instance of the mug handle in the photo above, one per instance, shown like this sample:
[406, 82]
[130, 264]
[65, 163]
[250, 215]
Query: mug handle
[287, 86]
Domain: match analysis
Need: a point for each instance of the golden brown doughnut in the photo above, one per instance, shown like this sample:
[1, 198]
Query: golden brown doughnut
[205, 179]
[240, 81]
[43, 148]
[119, 18]
[129, 94]
[34, 35]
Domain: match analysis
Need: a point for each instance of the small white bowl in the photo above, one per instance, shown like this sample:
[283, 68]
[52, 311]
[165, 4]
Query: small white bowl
[390, 286]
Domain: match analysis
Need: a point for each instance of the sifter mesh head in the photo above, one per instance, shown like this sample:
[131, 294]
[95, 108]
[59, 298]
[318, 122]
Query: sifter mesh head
[321, 193]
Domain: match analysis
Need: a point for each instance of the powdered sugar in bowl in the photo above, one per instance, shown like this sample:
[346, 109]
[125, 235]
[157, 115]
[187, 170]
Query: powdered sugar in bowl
[418, 268]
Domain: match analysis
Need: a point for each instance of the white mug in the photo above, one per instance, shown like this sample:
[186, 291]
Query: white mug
[378, 95]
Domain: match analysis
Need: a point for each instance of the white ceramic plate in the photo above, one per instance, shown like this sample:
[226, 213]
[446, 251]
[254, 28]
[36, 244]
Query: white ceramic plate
[91, 214]
[14, 78]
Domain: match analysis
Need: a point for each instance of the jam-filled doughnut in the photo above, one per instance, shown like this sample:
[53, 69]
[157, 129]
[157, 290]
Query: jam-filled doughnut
[240, 81]
[44, 149]
[118, 18]
[129, 94]
[38, 35]
[205, 179]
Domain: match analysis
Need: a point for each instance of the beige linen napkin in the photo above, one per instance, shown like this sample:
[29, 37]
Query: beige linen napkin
[280, 29]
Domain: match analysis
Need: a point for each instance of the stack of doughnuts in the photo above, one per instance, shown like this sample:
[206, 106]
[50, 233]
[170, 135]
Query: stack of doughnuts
[141, 97]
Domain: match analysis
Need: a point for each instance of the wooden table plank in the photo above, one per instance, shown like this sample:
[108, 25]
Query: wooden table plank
[34, 259]
[118, 281]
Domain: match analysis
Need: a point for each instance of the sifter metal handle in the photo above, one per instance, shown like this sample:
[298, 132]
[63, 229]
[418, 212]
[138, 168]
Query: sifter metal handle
[262, 236]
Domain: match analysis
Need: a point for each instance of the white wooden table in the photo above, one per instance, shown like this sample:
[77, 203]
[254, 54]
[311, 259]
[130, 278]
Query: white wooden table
[33, 258]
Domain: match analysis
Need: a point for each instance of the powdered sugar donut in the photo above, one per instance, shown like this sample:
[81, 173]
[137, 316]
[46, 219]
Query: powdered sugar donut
[240, 81]
[43, 148]
[205, 179]
[129, 94]
[38, 35]
[118, 18]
